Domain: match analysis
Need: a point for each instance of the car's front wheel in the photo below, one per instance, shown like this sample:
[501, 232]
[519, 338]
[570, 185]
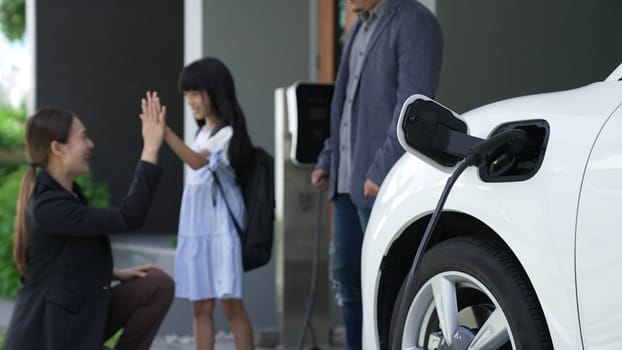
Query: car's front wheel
[468, 293]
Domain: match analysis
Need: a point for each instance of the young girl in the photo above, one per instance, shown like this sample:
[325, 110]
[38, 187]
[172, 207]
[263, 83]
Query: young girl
[208, 265]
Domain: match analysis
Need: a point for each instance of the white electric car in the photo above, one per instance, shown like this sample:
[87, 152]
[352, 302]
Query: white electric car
[511, 215]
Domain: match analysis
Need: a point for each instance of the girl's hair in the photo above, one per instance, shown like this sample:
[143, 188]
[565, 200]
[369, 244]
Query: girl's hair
[209, 74]
[45, 126]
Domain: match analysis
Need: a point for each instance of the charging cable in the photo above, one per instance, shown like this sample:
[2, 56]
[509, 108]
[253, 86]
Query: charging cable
[310, 302]
[479, 155]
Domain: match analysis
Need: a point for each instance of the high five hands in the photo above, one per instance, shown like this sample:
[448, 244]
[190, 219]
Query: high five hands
[153, 118]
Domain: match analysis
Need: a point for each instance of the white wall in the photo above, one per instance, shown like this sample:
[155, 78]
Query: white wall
[266, 44]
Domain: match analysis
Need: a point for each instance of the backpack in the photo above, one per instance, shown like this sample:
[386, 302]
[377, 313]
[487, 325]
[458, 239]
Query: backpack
[257, 185]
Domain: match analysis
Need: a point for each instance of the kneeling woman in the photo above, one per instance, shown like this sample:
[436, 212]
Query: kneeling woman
[62, 251]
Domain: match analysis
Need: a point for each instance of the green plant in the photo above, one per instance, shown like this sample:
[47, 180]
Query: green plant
[9, 188]
[12, 121]
[96, 192]
[13, 18]
[114, 339]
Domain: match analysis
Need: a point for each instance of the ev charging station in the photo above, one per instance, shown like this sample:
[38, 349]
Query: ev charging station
[303, 297]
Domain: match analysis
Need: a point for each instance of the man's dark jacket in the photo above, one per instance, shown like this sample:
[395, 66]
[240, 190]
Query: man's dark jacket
[404, 58]
[63, 301]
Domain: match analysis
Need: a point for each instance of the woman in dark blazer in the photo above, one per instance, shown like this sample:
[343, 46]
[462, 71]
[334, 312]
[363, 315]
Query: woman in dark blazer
[62, 251]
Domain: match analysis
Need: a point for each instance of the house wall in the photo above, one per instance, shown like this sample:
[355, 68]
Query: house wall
[97, 59]
[495, 51]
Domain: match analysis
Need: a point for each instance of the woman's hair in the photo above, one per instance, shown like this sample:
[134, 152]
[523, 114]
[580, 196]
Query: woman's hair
[209, 74]
[45, 126]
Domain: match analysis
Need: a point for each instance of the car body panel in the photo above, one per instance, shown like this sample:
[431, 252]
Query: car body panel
[599, 241]
[616, 74]
[536, 217]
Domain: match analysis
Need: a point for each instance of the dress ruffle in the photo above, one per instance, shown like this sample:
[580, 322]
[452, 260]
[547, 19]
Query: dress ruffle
[208, 267]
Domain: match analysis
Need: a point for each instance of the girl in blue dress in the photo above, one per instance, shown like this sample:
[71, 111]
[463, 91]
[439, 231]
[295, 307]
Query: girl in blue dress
[208, 264]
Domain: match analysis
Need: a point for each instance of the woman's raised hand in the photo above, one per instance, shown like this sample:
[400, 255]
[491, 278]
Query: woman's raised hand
[153, 118]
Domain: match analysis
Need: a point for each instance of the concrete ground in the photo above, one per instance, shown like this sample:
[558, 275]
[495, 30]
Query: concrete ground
[176, 330]
[224, 340]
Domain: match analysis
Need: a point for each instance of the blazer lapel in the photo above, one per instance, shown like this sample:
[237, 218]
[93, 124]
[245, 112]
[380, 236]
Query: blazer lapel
[345, 55]
[390, 12]
[343, 73]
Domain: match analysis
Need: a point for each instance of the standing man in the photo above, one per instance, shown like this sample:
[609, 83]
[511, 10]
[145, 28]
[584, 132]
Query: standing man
[394, 50]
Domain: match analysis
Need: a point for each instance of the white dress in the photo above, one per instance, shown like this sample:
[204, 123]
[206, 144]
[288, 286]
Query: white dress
[208, 263]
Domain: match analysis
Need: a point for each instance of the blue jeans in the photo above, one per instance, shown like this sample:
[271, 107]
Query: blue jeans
[349, 223]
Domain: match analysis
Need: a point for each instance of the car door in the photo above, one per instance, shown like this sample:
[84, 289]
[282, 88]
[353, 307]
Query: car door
[599, 241]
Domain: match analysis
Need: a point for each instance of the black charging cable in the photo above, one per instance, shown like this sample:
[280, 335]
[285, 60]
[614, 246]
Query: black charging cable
[481, 154]
[310, 302]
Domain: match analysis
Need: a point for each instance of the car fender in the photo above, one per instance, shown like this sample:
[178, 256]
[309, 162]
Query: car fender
[539, 232]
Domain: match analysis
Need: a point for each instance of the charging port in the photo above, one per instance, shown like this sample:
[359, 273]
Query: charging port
[510, 165]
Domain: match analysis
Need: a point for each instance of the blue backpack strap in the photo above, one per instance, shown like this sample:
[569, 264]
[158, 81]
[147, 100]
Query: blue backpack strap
[235, 222]
[214, 131]
[217, 128]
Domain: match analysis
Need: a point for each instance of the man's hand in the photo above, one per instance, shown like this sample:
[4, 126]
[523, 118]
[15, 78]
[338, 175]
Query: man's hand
[133, 272]
[319, 179]
[370, 189]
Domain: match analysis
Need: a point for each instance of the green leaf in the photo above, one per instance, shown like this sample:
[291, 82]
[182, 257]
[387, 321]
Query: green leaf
[13, 18]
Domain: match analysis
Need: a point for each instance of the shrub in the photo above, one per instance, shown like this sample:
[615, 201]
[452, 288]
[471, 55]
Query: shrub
[95, 192]
[13, 18]
[12, 126]
[9, 188]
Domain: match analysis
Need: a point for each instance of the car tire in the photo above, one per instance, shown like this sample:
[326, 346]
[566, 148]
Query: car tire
[482, 291]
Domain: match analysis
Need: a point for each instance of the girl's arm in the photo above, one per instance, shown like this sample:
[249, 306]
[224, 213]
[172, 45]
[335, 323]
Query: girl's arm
[194, 159]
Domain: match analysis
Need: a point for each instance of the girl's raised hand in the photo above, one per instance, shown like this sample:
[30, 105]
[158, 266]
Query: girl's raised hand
[153, 118]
